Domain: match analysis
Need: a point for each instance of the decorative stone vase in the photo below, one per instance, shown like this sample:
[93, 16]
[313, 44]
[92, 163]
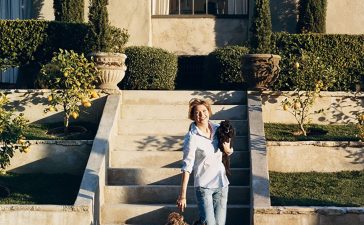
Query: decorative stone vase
[111, 68]
[260, 70]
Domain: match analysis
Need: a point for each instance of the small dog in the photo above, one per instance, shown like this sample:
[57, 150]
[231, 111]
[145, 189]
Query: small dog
[225, 132]
[175, 219]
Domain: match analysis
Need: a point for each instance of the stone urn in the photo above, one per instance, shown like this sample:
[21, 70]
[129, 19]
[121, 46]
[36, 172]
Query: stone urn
[111, 68]
[260, 70]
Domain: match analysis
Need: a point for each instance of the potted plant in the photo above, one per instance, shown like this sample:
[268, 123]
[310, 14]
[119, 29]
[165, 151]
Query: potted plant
[260, 69]
[106, 43]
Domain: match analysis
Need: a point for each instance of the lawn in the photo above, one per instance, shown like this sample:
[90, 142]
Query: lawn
[284, 132]
[59, 189]
[40, 132]
[317, 189]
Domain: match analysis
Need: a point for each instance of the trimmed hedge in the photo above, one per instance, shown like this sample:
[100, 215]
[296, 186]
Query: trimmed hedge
[343, 52]
[224, 68]
[149, 69]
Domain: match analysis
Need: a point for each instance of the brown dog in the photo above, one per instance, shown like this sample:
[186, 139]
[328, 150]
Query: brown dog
[175, 219]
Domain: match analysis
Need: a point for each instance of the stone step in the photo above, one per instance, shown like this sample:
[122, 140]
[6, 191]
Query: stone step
[133, 97]
[158, 214]
[169, 127]
[172, 112]
[165, 159]
[163, 143]
[164, 176]
[166, 194]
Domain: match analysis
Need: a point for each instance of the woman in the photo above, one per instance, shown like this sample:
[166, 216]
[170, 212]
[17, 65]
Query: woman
[201, 155]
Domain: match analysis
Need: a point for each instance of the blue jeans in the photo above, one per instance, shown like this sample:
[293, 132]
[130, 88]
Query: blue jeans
[212, 204]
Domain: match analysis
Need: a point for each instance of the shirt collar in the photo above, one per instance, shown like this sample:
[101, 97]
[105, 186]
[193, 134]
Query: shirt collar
[196, 130]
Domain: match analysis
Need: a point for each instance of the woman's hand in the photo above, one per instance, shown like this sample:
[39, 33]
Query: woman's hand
[181, 203]
[227, 149]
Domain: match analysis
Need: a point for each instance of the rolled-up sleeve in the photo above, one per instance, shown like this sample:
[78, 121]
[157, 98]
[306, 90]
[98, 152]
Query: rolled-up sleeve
[189, 150]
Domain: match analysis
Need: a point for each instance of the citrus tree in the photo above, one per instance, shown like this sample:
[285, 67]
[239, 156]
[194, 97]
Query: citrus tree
[12, 128]
[71, 78]
[309, 76]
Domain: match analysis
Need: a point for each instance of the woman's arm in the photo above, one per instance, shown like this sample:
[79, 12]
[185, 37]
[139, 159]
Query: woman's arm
[181, 201]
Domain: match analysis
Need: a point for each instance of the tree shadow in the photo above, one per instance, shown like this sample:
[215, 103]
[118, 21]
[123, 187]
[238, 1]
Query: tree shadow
[37, 6]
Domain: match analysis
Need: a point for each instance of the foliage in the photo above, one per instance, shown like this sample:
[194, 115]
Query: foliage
[331, 132]
[149, 69]
[312, 16]
[319, 189]
[100, 33]
[224, 67]
[360, 126]
[69, 10]
[261, 28]
[119, 37]
[71, 78]
[338, 51]
[317, 76]
[11, 132]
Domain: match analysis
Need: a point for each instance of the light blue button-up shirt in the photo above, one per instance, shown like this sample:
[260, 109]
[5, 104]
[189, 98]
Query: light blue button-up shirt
[202, 156]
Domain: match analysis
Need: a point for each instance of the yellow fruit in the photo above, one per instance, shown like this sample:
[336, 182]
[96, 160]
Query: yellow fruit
[50, 98]
[296, 65]
[87, 104]
[21, 141]
[74, 115]
[52, 109]
[26, 150]
[94, 94]
[84, 100]
[285, 107]
[297, 105]
[361, 117]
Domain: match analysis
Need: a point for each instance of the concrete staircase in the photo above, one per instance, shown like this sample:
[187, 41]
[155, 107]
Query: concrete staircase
[144, 173]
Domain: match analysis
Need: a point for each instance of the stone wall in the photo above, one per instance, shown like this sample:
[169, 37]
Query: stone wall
[340, 108]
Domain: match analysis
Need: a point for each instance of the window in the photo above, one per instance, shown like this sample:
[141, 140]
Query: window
[200, 7]
[13, 9]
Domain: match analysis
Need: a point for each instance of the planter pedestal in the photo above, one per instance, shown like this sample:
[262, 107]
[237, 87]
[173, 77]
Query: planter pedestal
[260, 70]
[111, 68]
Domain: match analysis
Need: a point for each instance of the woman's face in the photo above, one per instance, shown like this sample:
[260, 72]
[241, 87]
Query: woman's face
[201, 114]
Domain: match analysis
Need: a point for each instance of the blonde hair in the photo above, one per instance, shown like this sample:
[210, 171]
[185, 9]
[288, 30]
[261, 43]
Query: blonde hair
[195, 102]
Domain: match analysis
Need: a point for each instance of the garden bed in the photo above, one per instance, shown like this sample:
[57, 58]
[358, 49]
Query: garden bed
[58, 189]
[317, 189]
[285, 132]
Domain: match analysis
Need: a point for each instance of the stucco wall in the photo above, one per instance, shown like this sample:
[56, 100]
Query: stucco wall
[315, 156]
[340, 108]
[52, 157]
[197, 36]
[345, 17]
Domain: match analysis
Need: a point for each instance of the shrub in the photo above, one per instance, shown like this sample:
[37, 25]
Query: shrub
[12, 129]
[261, 28]
[100, 34]
[312, 16]
[338, 51]
[149, 68]
[224, 67]
[69, 10]
[71, 78]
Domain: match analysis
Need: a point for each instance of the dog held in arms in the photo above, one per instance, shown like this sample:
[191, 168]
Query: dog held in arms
[225, 132]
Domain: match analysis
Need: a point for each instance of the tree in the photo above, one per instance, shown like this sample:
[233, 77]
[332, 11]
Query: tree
[69, 10]
[261, 28]
[311, 16]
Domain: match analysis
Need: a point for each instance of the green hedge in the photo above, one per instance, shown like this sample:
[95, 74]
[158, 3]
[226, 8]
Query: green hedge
[343, 52]
[69, 10]
[26, 41]
[149, 68]
[224, 68]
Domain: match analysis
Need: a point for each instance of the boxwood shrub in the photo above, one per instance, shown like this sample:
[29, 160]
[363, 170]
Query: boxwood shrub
[343, 52]
[224, 68]
[149, 68]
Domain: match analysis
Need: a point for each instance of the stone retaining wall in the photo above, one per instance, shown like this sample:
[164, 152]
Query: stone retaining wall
[319, 156]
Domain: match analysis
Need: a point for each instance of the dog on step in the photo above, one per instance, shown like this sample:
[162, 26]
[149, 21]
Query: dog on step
[225, 133]
[175, 219]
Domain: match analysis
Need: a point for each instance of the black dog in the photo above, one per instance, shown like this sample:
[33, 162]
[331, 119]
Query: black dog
[225, 133]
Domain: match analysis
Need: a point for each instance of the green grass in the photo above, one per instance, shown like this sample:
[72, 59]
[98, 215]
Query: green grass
[59, 189]
[317, 189]
[284, 132]
[39, 132]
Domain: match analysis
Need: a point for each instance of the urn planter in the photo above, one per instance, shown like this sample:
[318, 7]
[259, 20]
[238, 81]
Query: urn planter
[260, 70]
[111, 68]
